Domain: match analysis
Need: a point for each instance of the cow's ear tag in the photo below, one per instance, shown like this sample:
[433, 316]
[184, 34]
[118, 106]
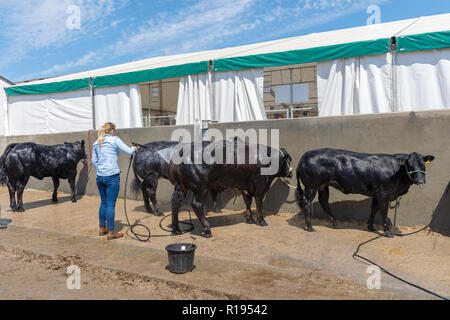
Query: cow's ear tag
[428, 162]
[401, 161]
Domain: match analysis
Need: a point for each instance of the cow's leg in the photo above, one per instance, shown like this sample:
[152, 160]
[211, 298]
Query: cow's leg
[20, 187]
[12, 194]
[383, 206]
[145, 196]
[153, 186]
[198, 204]
[248, 205]
[372, 215]
[324, 195]
[310, 194]
[259, 197]
[177, 201]
[72, 176]
[214, 195]
[55, 190]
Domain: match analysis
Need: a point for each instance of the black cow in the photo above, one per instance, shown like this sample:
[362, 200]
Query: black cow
[22, 160]
[222, 175]
[152, 163]
[383, 177]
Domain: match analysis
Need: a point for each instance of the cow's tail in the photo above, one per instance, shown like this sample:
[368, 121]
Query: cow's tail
[3, 175]
[299, 194]
[136, 184]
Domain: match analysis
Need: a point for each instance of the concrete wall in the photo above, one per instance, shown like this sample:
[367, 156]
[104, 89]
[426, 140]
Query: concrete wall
[424, 132]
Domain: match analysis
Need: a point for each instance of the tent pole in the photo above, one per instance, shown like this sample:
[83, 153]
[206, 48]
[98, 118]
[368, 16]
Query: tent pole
[91, 87]
[394, 74]
[291, 93]
[150, 94]
[212, 98]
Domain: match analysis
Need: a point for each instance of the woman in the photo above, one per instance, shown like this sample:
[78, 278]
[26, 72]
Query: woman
[105, 156]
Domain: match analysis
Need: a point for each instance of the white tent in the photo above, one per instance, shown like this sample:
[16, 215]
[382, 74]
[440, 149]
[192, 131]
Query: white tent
[413, 75]
[359, 71]
[4, 83]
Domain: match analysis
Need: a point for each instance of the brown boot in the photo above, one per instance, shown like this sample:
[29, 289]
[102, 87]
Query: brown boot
[114, 235]
[102, 231]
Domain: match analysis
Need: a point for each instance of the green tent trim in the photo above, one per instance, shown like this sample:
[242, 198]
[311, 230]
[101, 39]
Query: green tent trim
[46, 88]
[424, 41]
[417, 42]
[151, 75]
[339, 51]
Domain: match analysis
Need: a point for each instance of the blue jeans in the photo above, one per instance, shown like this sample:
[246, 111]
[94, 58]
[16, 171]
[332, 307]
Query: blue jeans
[109, 190]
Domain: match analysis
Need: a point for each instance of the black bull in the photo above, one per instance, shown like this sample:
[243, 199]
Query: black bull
[225, 173]
[383, 177]
[151, 163]
[22, 160]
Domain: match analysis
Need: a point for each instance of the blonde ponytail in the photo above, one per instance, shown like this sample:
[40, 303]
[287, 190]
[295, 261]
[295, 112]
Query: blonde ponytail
[106, 128]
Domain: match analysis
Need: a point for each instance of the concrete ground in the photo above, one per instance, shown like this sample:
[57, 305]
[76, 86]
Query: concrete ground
[241, 261]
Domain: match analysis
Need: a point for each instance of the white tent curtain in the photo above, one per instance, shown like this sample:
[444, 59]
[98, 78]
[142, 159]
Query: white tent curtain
[4, 128]
[236, 96]
[194, 100]
[360, 85]
[54, 113]
[120, 105]
[423, 80]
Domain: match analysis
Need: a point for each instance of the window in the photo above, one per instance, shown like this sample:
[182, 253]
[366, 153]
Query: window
[159, 102]
[155, 92]
[290, 91]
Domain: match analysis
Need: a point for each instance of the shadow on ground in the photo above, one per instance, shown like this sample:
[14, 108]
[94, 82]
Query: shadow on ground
[441, 215]
[344, 211]
[47, 202]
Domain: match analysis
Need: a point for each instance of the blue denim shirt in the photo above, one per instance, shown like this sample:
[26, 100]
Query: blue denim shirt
[105, 158]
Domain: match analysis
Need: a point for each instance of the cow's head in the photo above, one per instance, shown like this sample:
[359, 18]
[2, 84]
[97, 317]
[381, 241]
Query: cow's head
[81, 150]
[285, 164]
[414, 165]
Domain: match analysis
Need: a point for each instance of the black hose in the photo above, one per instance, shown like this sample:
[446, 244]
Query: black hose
[356, 255]
[146, 237]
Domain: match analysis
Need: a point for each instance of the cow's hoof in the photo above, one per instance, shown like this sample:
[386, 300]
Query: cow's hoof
[74, 200]
[20, 210]
[13, 209]
[309, 229]
[217, 210]
[158, 214]
[388, 234]
[250, 219]
[371, 228]
[55, 200]
[177, 232]
[262, 223]
[334, 225]
[149, 210]
[207, 234]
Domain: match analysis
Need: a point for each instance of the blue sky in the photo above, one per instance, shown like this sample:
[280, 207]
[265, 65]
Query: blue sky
[35, 40]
